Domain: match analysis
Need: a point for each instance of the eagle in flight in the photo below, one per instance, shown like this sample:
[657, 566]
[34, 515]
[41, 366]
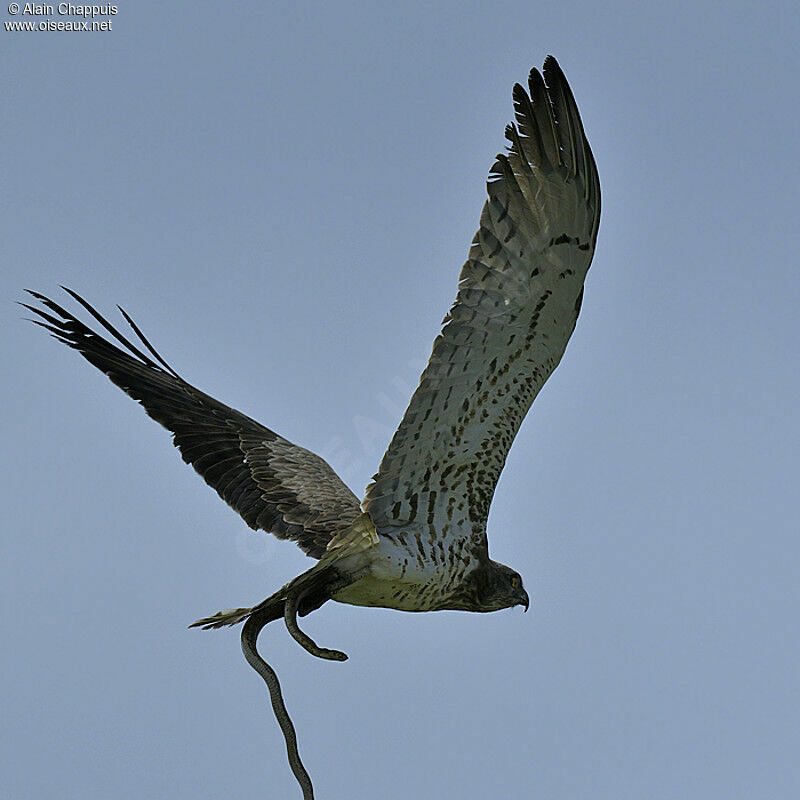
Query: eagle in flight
[417, 541]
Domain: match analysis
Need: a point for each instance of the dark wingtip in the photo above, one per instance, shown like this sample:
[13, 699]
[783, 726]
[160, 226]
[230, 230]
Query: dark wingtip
[70, 292]
[534, 77]
[552, 71]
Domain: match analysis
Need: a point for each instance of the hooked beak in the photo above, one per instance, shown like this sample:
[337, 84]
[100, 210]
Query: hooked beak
[526, 602]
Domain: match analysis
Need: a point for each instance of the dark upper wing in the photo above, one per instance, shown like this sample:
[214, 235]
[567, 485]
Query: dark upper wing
[518, 300]
[273, 484]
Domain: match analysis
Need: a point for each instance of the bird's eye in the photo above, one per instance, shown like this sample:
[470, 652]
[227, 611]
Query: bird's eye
[514, 582]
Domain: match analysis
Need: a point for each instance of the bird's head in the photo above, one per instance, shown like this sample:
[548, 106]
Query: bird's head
[491, 587]
[505, 588]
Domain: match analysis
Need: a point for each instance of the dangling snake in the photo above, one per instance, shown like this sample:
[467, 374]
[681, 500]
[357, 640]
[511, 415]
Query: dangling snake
[252, 627]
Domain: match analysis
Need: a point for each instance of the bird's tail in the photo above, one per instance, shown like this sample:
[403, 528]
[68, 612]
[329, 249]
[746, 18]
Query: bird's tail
[268, 610]
[228, 616]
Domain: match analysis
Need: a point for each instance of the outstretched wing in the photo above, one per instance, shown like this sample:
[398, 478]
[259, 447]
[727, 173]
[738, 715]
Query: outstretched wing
[273, 484]
[518, 299]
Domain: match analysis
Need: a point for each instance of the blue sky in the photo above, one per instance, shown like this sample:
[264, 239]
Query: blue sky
[282, 196]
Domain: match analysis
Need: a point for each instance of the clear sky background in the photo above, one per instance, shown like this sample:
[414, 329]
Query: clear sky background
[282, 195]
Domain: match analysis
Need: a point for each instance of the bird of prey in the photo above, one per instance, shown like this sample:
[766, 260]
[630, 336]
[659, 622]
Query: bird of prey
[417, 541]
